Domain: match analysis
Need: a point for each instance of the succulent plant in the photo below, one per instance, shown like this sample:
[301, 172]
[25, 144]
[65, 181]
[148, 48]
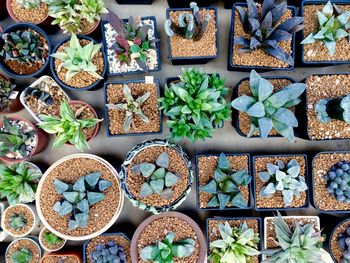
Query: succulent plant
[283, 178]
[189, 25]
[18, 182]
[23, 255]
[68, 127]
[13, 138]
[51, 239]
[132, 108]
[333, 25]
[78, 197]
[6, 89]
[166, 250]
[28, 4]
[91, 9]
[338, 181]
[237, 244]
[265, 31]
[344, 245]
[297, 243]
[77, 58]
[195, 105]
[23, 46]
[225, 185]
[158, 180]
[269, 110]
[333, 109]
[41, 95]
[17, 221]
[108, 253]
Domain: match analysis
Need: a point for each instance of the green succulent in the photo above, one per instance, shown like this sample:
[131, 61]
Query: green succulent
[333, 25]
[76, 58]
[78, 197]
[333, 109]
[132, 108]
[297, 243]
[6, 89]
[51, 239]
[167, 250]
[23, 255]
[91, 9]
[189, 25]
[13, 138]
[41, 95]
[225, 185]
[237, 244]
[269, 110]
[18, 182]
[195, 105]
[17, 221]
[68, 127]
[29, 4]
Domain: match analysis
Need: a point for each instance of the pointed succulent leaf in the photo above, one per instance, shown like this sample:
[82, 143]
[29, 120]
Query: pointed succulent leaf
[147, 169]
[94, 197]
[171, 179]
[145, 190]
[60, 186]
[163, 160]
[93, 178]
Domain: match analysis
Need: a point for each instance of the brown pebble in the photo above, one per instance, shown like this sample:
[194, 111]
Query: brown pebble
[24, 243]
[33, 15]
[25, 212]
[335, 249]
[58, 259]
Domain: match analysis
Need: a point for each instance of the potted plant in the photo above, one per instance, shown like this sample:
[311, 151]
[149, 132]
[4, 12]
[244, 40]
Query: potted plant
[326, 106]
[43, 96]
[185, 3]
[223, 181]
[24, 250]
[266, 107]
[338, 242]
[156, 176]
[31, 11]
[195, 111]
[134, 2]
[131, 45]
[18, 182]
[132, 108]
[49, 241]
[78, 16]
[326, 33]
[250, 48]
[280, 182]
[62, 256]
[9, 99]
[19, 220]
[76, 122]
[180, 239]
[79, 197]
[25, 50]
[234, 239]
[78, 63]
[108, 247]
[21, 139]
[3, 234]
[193, 36]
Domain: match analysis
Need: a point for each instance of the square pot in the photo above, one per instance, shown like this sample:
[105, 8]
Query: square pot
[334, 249]
[305, 6]
[228, 3]
[190, 60]
[277, 197]
[235, 67]
[108, 53]
[238, 162]
[186, 3]
[134, 2]
[107, 117]
[316, 86]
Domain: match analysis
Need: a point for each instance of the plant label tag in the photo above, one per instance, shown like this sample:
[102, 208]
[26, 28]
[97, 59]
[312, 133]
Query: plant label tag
[13, 95]
[149, 79]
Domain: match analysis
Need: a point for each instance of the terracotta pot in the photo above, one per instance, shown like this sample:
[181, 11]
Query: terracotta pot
[75, 254]
[15, 104]
[202, 257]
[42, 141]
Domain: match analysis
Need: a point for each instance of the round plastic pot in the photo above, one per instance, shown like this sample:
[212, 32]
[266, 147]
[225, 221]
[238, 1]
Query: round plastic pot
[34, 240]
[44, 246]
[15, 104]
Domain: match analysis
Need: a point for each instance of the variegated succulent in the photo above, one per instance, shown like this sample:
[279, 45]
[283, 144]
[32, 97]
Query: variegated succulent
[28, 4]
[333, 109]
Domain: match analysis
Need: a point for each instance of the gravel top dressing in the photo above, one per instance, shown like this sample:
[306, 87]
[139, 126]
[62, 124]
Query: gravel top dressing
[58, 259]
[335, 249]
[21, 243]
[32, 15]
[25, 213]
[50, 246]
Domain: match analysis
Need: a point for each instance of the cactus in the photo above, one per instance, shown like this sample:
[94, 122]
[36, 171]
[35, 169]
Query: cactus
[6, 89]
[338, 181]
[225, 185]
[132, 108]
[41, 95]
[17, 221]
[78, 197]
[333, 25]
[29, 4]
[23, 255]
[108, 253]
[344, 245]
[333, 109]
[283, 178]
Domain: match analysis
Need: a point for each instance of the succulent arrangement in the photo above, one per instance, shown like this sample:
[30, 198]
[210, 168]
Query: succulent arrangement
[338, 181]
[195, 105]
[68, 127]
[344, 245]
[189, 25]
[225, 185]
[28, 4]
[166, 250]
[6, 89]
[237, 244]
[51, 239]
[283, 178]
[70, 14]
[109, 252]
[333, 109]
[269, 110]
[78, 197]
[297, 243]
[333, 25]
[23, 255]
[132, 108]
[17, 221]
[43, 96]
[265, 31]
[158, 180]
[77, 58]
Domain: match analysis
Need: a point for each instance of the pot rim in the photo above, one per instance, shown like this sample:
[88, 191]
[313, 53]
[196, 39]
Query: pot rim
[24, 238]
[16, 19]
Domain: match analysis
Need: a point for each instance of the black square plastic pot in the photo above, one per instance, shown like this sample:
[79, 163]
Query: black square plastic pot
[186, 3]
[193, 60]
[134, 2]
[229, 3]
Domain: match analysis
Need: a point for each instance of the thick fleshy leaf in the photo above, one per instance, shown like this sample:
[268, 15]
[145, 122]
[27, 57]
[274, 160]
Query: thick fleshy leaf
[265, 126]
[278, 12]
[147, 169]
[219, 176]
[254, 80]
[167, 194]
[291, 92]
[223, 200]
[224, 163]
[71, 197]
[267, 6]
[214, 202]
[82, 219]
[159, 173]
[254, 43]
[267, 22]
[252, 9]
[157, 185]
[83, 206]
[171, 179]
[145, 190]
[256, 110]
[285, 116]
[285, 130]
[239, 201]
[211, 187]
[264, 176]
[95, 197]
[60, 186]
[241, 41]
[265, 89]
[103, 185]
[291, 24]
[287, 197]
[281, 35]
[93, 178]
[163, 160]
[79, 185]
[243, 103]
[65, 208]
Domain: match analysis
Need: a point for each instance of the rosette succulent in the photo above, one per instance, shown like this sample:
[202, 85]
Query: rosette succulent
[22, 255]
[333, 25]
[269, 110]
[189, 25]
[265, 29]
[17, 221]
[108, 253]
[333, 109]
[338, 181]
[51, 239]
[6, 89]
[28, 4]
[344, 245]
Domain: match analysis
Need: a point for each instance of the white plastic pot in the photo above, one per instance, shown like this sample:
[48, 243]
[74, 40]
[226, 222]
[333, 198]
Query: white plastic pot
[44, 246]
[3, 234]
[23, 238]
